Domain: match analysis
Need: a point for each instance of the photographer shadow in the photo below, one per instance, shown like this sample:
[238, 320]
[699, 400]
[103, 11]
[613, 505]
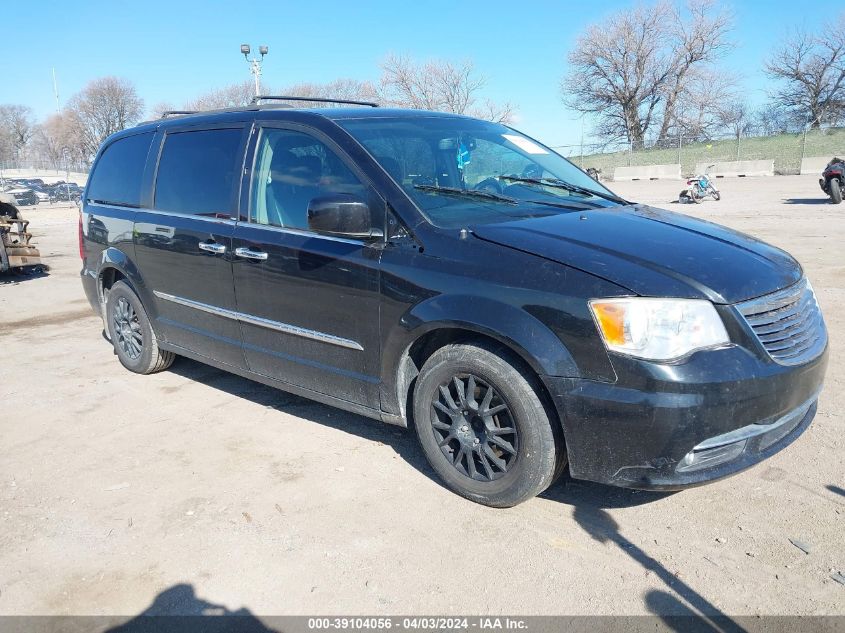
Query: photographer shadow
[179, 610]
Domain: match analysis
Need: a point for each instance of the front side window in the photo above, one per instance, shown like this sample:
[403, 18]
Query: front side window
[197, 172]
[464, 171]
[120, 170]
[291, 169]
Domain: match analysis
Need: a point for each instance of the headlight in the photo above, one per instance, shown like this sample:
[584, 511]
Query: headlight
[658, 329]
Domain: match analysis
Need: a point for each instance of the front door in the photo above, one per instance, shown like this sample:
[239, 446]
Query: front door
[309, 303]
[183, 244]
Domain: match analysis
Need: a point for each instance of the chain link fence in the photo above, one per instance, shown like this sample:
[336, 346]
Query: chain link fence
[786, 150]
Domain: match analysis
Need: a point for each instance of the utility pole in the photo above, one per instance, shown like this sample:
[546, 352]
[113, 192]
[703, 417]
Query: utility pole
[255, 64]
[56, 90]
[582, 140]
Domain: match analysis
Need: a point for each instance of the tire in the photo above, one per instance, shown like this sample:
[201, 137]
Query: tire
[835, 191]
[716, 195]
[131, 333]
[695, 196]
[535, 456]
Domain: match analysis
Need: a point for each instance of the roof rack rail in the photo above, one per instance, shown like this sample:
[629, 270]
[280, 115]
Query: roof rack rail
[258, 98]
[168, 113]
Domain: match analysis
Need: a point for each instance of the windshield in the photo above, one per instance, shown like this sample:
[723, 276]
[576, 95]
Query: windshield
[447, 164]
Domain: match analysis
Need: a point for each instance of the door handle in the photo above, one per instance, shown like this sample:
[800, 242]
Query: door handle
[212, 247]
[250, 254]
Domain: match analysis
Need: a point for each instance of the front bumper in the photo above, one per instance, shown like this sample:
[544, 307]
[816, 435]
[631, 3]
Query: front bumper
[667, 427]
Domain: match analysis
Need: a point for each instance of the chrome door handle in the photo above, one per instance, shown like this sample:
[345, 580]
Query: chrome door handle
[211, 247]
[250, 254]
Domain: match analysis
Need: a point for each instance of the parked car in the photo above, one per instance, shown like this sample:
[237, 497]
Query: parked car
[66, 192]
[42, 193]
[24, 197]
[434, 268]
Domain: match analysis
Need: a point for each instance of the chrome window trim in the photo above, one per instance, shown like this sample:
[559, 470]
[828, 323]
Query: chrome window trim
[285, 328]
[303, 232]
[229, 220]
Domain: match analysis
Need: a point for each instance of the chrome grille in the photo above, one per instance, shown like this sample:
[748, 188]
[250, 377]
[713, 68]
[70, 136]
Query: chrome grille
[788, 323]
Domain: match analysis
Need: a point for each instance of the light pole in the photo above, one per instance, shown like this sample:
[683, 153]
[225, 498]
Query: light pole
[255, 64]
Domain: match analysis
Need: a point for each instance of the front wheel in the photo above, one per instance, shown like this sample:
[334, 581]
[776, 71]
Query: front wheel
[716, 195]
[835, 191]
[483, 427]
[131, 333]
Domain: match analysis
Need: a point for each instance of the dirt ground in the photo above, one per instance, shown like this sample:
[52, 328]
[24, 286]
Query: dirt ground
[120, 493]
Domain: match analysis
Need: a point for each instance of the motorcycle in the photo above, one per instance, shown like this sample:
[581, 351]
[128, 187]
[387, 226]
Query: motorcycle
[701, 187]
[831, 180]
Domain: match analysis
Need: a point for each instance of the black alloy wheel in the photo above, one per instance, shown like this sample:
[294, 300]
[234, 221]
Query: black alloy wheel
[127, 329]
[474, 427]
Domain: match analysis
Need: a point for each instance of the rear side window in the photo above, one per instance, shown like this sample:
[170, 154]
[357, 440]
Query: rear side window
[120, 170]
[197, 172]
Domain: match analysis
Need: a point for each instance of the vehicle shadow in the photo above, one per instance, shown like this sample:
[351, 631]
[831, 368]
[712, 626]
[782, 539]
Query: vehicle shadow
[586, 494]
[836, 489]
[806, 201]
[677, 616]
[566, 490]
[181, 606]
[402, 440]
[12, 277]
[707, 617]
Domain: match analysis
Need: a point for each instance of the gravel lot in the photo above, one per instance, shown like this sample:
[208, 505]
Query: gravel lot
[115, 488]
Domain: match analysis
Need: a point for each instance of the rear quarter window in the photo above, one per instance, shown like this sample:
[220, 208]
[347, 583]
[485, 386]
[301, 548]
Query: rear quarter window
[197, 172]
[119, 172]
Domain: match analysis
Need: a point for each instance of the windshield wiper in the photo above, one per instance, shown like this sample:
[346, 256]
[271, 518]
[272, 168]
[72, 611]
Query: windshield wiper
[562, 184]
[472, 193]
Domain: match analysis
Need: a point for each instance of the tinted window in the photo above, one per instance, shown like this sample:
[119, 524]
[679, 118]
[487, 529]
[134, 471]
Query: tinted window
[432, 156]
[118, 174]
[197, 171]
[291, 169]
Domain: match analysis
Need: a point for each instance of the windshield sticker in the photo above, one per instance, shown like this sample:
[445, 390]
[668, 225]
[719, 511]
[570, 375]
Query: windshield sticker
[525, 144]
[463, 156]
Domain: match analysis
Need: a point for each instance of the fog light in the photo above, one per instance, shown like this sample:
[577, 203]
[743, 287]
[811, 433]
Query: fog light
[705, 458]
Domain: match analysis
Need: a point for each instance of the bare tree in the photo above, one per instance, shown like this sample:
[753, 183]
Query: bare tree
[736, 116]
[233, 96]
[105, 106]
[437, 85]
[16, 129]
[698, 115]
[160, 108]
[57, 141]
[699, 39]
[772, 118]
[811, 73]
[634, 70]
[351, 89]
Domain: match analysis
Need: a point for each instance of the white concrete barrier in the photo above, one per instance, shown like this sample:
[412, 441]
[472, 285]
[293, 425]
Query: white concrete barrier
[815, 164]
[648, 172]
[738, 168]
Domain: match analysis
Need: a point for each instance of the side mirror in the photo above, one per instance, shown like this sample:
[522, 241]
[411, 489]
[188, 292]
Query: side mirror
[340, 214]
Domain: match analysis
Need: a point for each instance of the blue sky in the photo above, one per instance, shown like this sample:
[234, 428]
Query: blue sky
[173, 51]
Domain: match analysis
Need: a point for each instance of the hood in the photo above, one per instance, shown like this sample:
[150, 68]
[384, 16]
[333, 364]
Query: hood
[652, 252]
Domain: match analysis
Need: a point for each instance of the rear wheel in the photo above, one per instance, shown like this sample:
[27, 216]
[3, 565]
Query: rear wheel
[483, 427]
[131, 333]
[835, 191]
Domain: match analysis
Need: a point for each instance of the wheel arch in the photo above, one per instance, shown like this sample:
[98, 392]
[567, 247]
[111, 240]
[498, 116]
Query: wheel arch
[113, 266]
[534, 346]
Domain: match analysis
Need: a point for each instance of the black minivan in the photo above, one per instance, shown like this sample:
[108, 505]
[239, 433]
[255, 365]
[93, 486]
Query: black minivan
[454, 274]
